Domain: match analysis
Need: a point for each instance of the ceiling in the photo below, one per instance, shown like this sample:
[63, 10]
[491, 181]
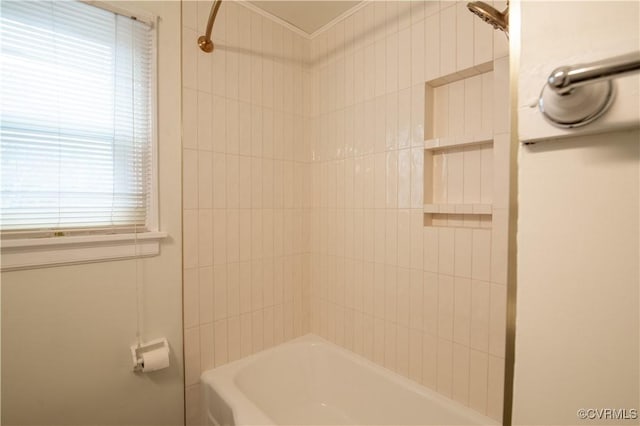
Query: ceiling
[307, 15]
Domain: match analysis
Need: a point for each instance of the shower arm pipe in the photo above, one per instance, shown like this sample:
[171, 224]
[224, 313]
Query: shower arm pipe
[204, 41]
[564, 79]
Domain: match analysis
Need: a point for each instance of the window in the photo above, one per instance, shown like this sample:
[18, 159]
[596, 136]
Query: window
[77, 123]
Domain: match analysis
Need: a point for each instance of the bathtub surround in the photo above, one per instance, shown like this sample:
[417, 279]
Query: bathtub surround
[67, 331]
[246, 189]
[409, 237]
[305, 183]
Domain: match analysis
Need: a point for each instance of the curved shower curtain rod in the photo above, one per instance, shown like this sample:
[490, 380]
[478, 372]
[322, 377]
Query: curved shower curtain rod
[204, 41]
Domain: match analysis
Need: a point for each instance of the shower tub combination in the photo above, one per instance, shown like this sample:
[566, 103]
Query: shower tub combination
[310, 381]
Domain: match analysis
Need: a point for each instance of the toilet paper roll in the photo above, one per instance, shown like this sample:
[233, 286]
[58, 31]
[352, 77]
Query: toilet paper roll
[156, 359]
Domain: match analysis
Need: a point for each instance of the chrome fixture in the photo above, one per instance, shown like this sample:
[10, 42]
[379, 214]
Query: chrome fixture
[490, 15]
[204, 41]
[575, 96]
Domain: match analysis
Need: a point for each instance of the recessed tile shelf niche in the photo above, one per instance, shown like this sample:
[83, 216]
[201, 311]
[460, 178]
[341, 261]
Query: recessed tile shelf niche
[458, 150]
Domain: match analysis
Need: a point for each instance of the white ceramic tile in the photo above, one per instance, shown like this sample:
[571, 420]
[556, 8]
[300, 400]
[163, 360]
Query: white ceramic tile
[486, 174]
[431, 249]
[205, 184]
[446, 246]
[190, 58]
[417, 115]
[233, 335]
[189, 118]
[497, 319]
[415, 355]
[432, 47]
[379, 291]
[462, 253]
[472, 176]
[246, 335]
[482, 41]
[220, 292]
[418, 52]
[500, 40]
[190, 179]
[417, 177]
[404, 55]
[462, 311]
[481, 255]
[233, 181]
[403, 296]
[192, 356]
[219, 124]
[480, 310]
[204, 130]
[391, 174]
[392, 62]
[190, 238]
[390, 346]
[191, 304]
[220, 342]
[378, 341]
[473, 105]
[478, 375]
[206, 347]
[233, 291]
[369, 58]
[205, 294]
[499, 246]
[219, 173]
[501, 150]
[404, 238]
[380, 67]
[445, 368]
[448, 41]
[430, 361]
[495, 391]
[445, 306]
[416, 236]
[205, 237]
[415, 302]
[404, 169]
[402, 350]
[219, 236]
[257, 336]
[218, 72]
[193, 412]
[460, 388]
[464, 37]
[501, 100]
[391, 115]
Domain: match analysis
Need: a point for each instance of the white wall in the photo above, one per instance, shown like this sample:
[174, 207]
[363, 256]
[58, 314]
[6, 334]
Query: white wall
[578, 237]
[66, 331]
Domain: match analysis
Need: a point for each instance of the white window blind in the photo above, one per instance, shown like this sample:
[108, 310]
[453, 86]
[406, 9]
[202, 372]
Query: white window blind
[76, 118]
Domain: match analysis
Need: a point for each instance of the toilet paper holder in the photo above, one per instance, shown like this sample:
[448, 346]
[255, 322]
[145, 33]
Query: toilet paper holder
[138, 350]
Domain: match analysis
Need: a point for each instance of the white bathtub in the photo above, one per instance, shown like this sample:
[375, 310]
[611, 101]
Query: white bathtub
[310, 381]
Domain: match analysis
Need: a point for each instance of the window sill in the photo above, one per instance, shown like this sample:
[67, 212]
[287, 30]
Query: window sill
[27, 253]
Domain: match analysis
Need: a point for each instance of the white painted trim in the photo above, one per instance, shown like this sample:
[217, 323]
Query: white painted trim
[339, 18]
[297, 30]
[273, 18]
[27, 253]
[126, 10]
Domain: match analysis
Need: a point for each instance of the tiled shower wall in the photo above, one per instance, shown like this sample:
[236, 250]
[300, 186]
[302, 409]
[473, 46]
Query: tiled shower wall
[246, 190]
[425, 298]
[304, 184]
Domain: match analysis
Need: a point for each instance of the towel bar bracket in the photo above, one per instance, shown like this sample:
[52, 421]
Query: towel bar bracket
[575, 96]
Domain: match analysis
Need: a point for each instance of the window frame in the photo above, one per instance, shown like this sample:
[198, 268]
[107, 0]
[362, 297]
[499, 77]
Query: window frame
[44, 248]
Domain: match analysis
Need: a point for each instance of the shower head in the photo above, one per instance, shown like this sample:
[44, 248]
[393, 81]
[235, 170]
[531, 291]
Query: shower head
[499, 20]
